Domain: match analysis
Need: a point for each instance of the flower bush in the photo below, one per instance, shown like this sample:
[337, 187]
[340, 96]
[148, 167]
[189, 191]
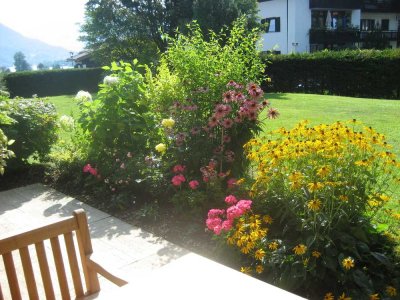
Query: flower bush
[5, 153]
[315, 193]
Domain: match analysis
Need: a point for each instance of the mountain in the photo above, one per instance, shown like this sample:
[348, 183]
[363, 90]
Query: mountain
[35, 51]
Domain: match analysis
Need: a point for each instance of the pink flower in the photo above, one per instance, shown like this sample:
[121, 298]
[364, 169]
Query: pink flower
[227, 139]
[227, 123]
[195, 130]
[229, 156]
[212, 122]
[177, 180]
[194, 184]
[254, 90]
[86, 168]
[222, 110]
[227, 225]
[234, 212]
[229, 96]
[231, 183]
[179, 169]
[244, 205]
[231, 200]
[214, 213]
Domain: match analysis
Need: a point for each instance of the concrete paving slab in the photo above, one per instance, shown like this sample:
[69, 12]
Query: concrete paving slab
[126, 248]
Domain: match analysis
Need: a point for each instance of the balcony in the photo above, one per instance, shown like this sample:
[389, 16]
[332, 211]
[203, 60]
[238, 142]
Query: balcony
[381, 6]
[336, 4]
[349, 36]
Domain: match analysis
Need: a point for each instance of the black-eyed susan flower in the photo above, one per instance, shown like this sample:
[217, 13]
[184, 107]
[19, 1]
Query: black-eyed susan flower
[267, 219]
[329, 296]
[374, 297]
[348, 263]
[316, 254]
[391, 291]
[259, 254]
[314, 205]
[314, 186]
[259, 269]
[273, 246]
[300, 249]
[344, 297]
[245, 270]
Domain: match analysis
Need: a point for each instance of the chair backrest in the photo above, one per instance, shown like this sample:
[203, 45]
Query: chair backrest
[44, 240]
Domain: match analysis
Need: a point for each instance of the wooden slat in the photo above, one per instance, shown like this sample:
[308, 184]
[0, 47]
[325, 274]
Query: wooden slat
[11, 276]
[28, 272]
[58, 260]
[85, 248]
[36, 235]
[45, 271]
[73, 263]
[1, 294]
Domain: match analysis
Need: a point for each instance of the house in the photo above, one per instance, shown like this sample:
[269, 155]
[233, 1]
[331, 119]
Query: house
[82, 59]
[311, 25]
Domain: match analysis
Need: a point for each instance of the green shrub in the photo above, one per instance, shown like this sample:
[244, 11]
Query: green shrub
[5, 153]
[53, 82]
[354, 73]
[33, 128]
[200, 85]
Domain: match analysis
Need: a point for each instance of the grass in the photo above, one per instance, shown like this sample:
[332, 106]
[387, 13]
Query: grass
[382, 115]
[65, 105]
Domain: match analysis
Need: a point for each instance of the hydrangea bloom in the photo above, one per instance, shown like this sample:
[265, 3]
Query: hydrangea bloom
[83, 96]
[231, 200]
[178, 169]
[67, 123]
[110, 80]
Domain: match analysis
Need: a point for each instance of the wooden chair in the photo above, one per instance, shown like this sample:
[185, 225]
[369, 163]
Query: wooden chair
[78, 261]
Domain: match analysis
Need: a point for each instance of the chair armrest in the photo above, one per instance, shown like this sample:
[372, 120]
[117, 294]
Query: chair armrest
[92, 263]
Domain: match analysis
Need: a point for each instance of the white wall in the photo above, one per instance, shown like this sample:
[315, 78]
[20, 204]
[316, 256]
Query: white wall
[295, 31]
[379, 16]
[356, 17]
[274, 40]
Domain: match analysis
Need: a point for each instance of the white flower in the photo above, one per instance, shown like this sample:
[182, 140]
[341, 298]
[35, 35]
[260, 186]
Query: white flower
[67, 123]
[83, 96]
[110, 80]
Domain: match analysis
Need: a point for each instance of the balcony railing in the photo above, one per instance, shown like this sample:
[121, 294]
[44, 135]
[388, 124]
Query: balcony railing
[325, 36]
[338, 4]
[381, 5]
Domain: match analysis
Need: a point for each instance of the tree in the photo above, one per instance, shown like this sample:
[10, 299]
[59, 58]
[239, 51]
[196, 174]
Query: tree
[20, 62]
[127, 29]
[41, 66]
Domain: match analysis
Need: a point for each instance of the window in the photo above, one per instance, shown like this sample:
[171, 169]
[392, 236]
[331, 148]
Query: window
[272, 24]
[367, 24]
[385, 24]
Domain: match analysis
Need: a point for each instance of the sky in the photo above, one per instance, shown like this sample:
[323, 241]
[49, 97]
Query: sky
[55, 22]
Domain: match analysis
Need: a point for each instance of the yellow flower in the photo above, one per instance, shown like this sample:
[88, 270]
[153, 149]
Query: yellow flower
[267, 219]
[329, 296]
[240, 181]
[245, 270]
[314, 205]
[343, 297]
[324, 171]
[314, 186]
[259, 269]
[343, 198]
[273, 246]
[374, 297]
[300, 249]
[295, 176]
[168, 123]
[384, 197]
[259, 254]
[348, 263]
[316, 254]
[391, 291]
[364, 163]
[161, 148]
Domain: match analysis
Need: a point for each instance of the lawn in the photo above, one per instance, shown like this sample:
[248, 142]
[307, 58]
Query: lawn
[383, 115]
[65, 105]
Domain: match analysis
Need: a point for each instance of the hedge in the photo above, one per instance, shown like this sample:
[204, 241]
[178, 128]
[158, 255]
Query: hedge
[354, 73]
[53, 82]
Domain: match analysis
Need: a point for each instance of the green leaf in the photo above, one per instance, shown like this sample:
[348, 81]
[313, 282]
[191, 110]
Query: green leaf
[10, 142]
[362, 281]
[382, 259]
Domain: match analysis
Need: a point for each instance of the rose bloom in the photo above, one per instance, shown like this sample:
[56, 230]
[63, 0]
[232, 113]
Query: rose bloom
[194, 184]
[178, 169]
[168, 123]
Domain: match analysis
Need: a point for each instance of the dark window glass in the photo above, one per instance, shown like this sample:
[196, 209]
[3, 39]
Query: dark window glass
[272, 24]
[385, 24]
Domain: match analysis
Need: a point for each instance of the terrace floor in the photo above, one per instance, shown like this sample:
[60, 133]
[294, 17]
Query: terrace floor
[129, 250]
